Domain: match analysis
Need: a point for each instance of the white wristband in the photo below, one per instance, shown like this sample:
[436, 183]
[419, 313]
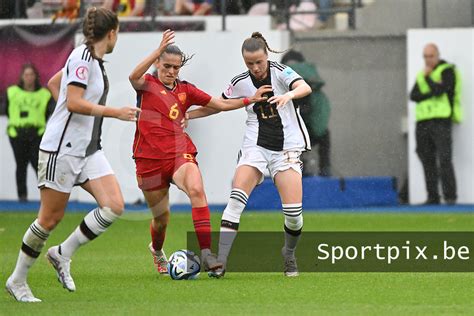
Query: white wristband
[290, 94]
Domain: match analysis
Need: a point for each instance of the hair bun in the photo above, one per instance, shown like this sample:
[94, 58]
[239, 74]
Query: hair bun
[257, 35]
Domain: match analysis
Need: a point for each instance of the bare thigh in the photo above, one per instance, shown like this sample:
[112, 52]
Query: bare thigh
[246, 178]
[106, 192]
[188, 179]
[158, 201]
[52, 208]
[289, 185]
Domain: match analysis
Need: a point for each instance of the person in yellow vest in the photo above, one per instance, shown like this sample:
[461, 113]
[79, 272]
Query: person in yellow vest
[28, 107]
[437, 95]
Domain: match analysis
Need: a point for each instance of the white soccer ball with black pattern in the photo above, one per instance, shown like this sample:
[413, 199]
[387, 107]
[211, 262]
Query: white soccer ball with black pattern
[184, 265]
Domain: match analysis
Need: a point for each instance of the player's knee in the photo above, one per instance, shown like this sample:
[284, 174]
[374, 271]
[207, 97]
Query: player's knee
[196, 191]
[49, 220]
[116, 206]
[294, 223]
[49, 223]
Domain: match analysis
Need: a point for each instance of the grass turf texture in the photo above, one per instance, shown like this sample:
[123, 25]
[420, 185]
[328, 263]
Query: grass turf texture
[115, 275]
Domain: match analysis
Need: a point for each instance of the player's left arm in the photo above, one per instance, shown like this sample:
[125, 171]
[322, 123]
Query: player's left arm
[215, 106]
[54, 84]
[233, 104]
[297, 87]
[299, 90]
[201, 112]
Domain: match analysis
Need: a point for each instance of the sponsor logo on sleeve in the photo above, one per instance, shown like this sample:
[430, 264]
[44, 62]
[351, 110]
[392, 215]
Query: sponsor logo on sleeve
[288, 71]
[229, 90]
[81, 73]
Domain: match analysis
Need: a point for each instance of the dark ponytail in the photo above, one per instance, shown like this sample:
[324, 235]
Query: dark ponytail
[257, 42]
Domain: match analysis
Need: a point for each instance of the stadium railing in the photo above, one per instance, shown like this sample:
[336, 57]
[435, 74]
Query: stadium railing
[281, 10]
[278, 9]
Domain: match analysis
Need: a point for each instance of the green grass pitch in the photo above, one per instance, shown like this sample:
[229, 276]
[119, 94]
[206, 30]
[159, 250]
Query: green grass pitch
[115, 275]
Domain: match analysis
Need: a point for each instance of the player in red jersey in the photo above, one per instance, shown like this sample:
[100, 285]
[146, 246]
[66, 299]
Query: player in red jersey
[164, 153]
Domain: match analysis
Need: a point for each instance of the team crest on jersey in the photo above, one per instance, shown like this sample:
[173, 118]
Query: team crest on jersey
[81, 72]
[182, 97]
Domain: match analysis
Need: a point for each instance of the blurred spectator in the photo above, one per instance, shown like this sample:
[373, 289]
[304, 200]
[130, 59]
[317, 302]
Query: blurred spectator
[28, 107]
[126, 7]
[234, 7]
[69, 10]
[437, 95]
[323, 17]
[14, 9]
[193, 7]
[315, 110]
[298, 22]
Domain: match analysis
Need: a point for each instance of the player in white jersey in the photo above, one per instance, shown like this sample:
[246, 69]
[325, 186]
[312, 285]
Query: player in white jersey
[71, 154]
[274, 139]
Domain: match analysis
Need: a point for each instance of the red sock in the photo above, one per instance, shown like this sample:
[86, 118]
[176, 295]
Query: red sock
[202, 226]
[157, 238]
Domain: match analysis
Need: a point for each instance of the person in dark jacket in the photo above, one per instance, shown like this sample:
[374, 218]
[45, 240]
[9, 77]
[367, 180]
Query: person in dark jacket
[437, 93]
[28, 105]
[315, 110]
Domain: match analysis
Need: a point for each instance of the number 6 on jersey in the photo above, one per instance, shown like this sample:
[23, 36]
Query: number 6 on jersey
[174, 112]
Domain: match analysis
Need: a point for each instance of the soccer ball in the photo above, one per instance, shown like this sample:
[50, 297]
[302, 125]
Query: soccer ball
[184, 265]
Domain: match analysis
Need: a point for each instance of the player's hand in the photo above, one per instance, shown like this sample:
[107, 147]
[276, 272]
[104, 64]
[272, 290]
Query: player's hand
[259, 95]
[185, 121]
[168, 39]
[281, 100]
[128, 113]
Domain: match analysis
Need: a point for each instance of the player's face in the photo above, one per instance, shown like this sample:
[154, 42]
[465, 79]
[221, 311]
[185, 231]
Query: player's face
[113, 35]
[168, 66]
[29, 77]
[257, 63]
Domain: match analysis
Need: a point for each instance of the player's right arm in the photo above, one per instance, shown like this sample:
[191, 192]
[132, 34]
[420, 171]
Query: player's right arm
[217, 105]
[137, 78]
[201, 112]
[54, 84]
[77, 104]
[77, 80]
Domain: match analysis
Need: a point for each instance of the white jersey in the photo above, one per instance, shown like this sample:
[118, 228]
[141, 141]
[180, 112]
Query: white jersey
[72, 133]
[271, 128]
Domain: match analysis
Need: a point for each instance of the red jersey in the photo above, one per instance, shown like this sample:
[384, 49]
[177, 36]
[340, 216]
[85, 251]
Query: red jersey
[159, 134]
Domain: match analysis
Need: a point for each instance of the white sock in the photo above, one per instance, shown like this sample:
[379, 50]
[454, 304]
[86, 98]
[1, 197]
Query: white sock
[230, 223]
[293, 225]
[33, 242]
[95, 223]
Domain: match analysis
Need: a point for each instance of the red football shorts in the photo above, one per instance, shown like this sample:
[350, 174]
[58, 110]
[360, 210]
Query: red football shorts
[157, 174]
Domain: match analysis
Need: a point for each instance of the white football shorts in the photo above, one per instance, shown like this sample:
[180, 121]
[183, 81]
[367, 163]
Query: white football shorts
[62, 172]
[273, 161]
